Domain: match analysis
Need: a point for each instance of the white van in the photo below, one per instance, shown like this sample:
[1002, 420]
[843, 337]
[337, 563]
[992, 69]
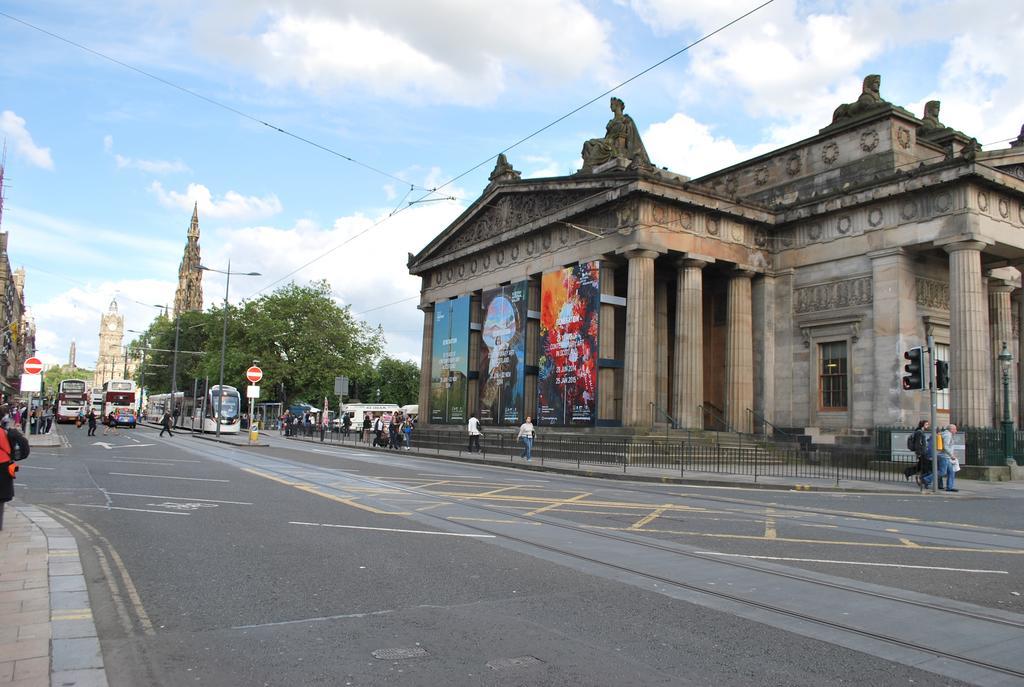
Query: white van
[356, 411]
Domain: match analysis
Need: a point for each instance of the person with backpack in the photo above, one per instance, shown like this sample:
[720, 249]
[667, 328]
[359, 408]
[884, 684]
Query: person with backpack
[920, 443]
[13, 448]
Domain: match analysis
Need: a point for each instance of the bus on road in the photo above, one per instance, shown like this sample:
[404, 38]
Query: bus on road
[119, 398]
[72, 399]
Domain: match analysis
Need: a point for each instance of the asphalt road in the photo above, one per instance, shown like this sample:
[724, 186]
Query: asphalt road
[304, 565]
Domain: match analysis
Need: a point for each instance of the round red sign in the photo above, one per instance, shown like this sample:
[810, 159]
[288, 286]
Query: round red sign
[33, 366]
[254, 374]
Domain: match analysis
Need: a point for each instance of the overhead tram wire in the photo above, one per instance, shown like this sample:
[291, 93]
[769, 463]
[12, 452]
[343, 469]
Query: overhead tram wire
[207, 99]
[430, 192]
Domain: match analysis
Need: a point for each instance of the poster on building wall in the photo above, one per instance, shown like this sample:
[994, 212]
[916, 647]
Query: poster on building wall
[503, 354]
[567, 376]
[449, 365]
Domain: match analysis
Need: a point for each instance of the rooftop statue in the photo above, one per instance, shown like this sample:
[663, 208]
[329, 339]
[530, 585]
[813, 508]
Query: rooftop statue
[503, 170]
[621, 140]
[870, 99]
[1019, 141]
[931, 127]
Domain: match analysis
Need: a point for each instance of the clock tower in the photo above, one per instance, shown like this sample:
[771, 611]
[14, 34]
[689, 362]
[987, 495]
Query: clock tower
[110, 361]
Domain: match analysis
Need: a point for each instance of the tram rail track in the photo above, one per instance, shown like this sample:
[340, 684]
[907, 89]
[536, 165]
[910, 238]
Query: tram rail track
[934, 650]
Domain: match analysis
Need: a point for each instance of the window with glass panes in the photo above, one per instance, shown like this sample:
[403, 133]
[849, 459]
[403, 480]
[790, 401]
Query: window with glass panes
[832, 376]
[942, 395]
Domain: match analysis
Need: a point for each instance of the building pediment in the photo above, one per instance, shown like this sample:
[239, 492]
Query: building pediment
[506, 211]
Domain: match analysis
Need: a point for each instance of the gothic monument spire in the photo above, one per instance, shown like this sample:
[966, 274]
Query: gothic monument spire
[189, 295]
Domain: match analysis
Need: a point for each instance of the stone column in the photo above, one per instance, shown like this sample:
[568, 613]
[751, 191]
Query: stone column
[473, 383]
[969, 350]
[607, 407]
[688, 372]
[661, 349]
[532, 345]
[739, 354]
[1001, 326]
[896, 325]
[1019, 304]
[638, 392]
[764, 323]
[426, 356]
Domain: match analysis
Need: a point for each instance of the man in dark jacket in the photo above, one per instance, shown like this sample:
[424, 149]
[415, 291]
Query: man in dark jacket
[91, 417]
[13, 448]
[166, 423]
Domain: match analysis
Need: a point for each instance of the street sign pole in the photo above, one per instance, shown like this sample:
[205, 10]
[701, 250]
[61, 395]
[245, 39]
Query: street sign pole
[933, 392]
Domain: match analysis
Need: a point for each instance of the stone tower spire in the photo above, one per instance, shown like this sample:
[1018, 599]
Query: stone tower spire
[71, 355]
[189, 295]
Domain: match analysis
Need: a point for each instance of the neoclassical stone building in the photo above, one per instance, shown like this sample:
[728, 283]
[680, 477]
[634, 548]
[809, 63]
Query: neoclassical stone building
[780, 290]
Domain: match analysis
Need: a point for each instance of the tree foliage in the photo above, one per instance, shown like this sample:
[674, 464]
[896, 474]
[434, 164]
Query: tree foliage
[300, 336]
[56, 375]
[397, 380]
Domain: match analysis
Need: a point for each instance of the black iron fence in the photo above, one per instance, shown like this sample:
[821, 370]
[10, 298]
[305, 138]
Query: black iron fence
[984, 445]
[689, 454]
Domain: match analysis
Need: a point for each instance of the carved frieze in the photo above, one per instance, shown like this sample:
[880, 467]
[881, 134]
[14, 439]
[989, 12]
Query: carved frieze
[1004, 208]
[838, 294]
[830, 153]
[793, 164]
[869, 140]
[903, 137]
[983, 201]
[509, 212]
[761, 175]
[932, 294]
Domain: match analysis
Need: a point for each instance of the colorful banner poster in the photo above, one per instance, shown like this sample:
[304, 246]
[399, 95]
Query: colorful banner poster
[449, 365]
[503, 354]
[567, 378]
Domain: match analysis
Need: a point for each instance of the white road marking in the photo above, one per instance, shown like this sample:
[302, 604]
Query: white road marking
[137, 510]
[178, 498]
[449, 476]
[146, 460]
[183, 506]
[109, 446]
[33, 467]
[876, 565]
[390, 529]
[132, 461]
[191, 479]
[315, 620]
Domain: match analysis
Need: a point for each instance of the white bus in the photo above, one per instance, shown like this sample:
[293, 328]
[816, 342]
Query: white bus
[72, 399]
[356, 411]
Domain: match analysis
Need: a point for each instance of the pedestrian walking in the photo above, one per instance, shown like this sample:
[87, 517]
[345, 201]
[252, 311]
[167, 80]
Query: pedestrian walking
[48, 418]
[407, 427]
[394, 433]
[13, 448]
[378, 431]
[920, 442]
[111, 424]
[474, 433]
[166, 422]
[91, 419]
[526, 435]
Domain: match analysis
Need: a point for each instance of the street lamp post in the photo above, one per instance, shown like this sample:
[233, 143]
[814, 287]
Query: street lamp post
[224, 334]
[142, 381]
[1005, 361]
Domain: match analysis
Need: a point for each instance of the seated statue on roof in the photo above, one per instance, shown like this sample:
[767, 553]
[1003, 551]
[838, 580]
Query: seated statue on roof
[870, 99]
[931, 127]
[621, 140]
[1019, 141]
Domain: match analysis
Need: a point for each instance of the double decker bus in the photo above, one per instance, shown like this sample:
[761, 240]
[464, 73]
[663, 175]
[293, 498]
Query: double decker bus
[119, 398]
[72, 399]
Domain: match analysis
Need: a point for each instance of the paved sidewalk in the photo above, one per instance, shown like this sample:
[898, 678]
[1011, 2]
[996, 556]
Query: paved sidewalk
[47, 636]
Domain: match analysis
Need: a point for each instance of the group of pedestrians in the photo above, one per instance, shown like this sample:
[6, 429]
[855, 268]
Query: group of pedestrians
[38, 420]
[947, 465]
[527, 434]
[393, 432]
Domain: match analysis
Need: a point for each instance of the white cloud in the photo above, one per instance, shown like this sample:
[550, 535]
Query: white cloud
[457, 52]
[151, 166]
[686, 146]
[108, 143]
[232, 205]
[13, 127]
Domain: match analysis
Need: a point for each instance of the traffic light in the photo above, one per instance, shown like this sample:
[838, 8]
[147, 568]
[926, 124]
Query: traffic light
[914, 379]
[941, 374]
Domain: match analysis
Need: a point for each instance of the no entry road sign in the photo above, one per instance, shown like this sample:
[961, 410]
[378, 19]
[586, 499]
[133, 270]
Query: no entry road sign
[254, 374]
[33, 366]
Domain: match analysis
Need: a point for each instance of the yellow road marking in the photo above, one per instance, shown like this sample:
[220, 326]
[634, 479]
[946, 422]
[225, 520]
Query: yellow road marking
[348, 502]
[552, 506]
[654, 515]
[910, 544]
[769, 529]
[790, 540]
[891, 529]
[498, 491]
[72, 614]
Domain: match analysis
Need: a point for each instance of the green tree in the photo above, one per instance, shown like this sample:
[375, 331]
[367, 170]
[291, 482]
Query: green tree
[397, 380]
[56, 375]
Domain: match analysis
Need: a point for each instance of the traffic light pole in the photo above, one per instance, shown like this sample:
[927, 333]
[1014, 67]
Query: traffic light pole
[933, 393]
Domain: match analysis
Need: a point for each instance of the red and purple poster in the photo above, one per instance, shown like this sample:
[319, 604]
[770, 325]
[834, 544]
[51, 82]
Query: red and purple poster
[567, 376]
[503, 354]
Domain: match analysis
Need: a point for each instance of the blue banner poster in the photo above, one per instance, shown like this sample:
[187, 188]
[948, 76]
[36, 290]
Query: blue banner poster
[567, 376]
[503, 354]
[449, 365]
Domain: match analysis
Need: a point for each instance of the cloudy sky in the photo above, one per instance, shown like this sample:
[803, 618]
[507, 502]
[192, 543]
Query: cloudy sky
[393, 99]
